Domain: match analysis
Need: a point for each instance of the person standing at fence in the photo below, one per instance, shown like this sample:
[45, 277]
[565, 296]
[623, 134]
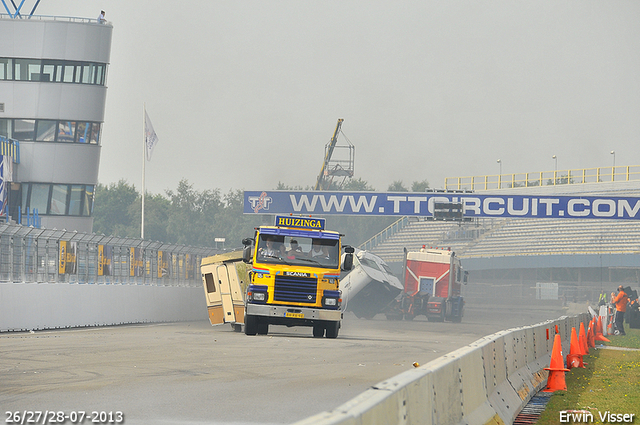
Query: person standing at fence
[603, 298]
[620, 302]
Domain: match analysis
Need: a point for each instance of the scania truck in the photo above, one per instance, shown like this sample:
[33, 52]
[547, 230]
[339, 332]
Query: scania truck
[295, 276]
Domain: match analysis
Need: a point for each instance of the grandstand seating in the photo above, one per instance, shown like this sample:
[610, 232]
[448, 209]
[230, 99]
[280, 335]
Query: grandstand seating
[509, 237]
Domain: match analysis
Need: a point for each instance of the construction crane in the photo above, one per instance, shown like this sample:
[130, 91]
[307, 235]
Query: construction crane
[332, 167]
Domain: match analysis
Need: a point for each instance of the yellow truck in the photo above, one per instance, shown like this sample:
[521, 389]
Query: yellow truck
[295, 276]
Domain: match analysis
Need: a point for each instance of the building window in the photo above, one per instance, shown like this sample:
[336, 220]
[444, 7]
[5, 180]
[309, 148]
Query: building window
[27, 69]
[83, 132]
[87, 208]
[66, 131]
[51, 131]
[5, 128]
[24, 130]
[67, 76]
[75, 199]
[46, 131]
[95, 133]
[58, 199]
[6, 69]
[39, 198]
[58, 205]
[46, 70]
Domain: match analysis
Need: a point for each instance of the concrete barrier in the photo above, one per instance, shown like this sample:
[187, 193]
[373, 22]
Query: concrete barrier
[486, 382]
[27, 306]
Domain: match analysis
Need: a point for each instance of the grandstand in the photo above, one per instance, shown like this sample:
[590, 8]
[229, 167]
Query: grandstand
[514, 237]
[583, 256]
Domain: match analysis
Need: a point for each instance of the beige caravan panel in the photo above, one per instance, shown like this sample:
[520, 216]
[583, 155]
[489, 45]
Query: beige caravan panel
[212, 295]
[222, 288]
[224, 277]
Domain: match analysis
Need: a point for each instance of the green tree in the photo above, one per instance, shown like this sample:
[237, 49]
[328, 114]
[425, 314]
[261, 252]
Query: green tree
[156, 214]
[111, 212]
[232, 224]
[397, 186]
[356, 185]
[419, 186]
[191, 215]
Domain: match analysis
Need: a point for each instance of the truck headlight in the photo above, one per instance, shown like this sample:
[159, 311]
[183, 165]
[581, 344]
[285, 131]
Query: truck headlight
[331, 302]
[257, 293]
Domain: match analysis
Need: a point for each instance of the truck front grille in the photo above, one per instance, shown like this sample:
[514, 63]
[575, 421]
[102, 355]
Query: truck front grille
[295, 289]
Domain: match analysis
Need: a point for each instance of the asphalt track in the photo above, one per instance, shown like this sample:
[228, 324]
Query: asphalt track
[192, 373]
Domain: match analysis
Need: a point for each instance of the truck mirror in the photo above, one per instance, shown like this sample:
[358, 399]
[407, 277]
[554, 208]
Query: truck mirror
[466, 277]
[347, 264]
[247, 241]
[246, 254]
[349, 249]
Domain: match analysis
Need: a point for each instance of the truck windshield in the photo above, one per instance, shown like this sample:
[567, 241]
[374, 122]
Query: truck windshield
[300, 251]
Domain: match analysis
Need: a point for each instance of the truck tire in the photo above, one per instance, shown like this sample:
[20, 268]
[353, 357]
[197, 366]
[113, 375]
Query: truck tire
[250, 325]
[318, 331]
[263, 328]
[438, 318]
[332, 329]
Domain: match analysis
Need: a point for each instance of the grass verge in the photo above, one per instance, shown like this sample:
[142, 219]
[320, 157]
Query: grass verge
[610, 382]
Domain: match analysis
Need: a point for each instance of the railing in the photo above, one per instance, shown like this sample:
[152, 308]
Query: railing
[544, 178]
[385, 234]
[31, 255]
[10, 148]
[52, 18]
[29, 219]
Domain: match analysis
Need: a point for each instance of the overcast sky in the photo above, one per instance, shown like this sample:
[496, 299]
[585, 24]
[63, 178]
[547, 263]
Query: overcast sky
[245, 94]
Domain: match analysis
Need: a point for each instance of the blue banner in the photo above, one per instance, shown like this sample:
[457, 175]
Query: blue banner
[422, 204]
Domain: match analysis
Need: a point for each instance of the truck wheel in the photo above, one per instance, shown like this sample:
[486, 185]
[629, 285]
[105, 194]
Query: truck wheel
[438, 318]
[318, 331]
[408, 317]
[250, 325]
[332, 329]
[263, 328]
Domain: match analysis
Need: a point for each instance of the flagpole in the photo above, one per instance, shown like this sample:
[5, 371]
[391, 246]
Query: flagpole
[144, 144]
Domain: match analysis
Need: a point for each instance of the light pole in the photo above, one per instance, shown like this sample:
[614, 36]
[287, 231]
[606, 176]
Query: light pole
[500, 175]
[613, 168]
[555, 169]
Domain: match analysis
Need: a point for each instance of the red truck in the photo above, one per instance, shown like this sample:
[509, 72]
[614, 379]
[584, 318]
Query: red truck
[433, 281]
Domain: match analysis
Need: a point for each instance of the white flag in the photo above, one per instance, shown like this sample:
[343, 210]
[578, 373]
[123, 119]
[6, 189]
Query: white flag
[150, 137]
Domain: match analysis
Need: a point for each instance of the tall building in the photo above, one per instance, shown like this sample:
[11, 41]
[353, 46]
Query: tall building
[53, 73]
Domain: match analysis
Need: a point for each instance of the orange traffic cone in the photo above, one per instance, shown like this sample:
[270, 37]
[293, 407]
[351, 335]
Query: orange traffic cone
[555, 381]
[574, 358]
[599, 335]
[591, 335]
[583, 340]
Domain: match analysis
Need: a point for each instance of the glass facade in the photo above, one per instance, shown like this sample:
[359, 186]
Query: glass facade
[58, 199]
[53, 71]
[26, 130]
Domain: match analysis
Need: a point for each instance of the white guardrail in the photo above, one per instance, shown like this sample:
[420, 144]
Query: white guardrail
[486, 382]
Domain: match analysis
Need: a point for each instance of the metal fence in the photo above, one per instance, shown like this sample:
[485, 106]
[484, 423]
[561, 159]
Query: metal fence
[545, 178]
[31, 255]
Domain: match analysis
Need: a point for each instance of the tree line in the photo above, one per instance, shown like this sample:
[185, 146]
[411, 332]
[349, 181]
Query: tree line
[196, 218]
